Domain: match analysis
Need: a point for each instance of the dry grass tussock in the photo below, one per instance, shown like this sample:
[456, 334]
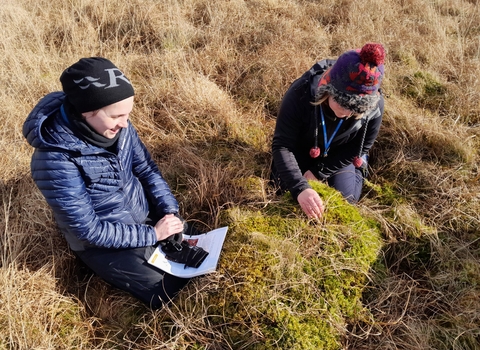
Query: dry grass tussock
[35, 315]
[209, 77]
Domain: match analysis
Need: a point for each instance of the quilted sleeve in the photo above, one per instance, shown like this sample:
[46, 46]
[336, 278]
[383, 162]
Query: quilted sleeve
[64, 189]
[145, 169]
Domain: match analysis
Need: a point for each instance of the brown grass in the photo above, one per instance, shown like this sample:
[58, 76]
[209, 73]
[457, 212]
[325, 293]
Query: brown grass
[209, 77]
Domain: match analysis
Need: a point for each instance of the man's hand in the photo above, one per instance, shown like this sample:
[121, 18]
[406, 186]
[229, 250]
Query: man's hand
[311, 203]
[167, 226]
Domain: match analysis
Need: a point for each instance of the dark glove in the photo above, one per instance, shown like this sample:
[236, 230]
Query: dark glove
[184, 253]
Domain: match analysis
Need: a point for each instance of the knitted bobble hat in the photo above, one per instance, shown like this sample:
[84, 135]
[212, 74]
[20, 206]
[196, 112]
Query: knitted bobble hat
[354, 79]
[93, 83]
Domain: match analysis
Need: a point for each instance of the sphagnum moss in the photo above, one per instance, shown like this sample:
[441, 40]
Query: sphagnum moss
[290, 283]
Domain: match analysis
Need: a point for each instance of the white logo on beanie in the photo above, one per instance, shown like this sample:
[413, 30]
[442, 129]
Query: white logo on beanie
[94, 81]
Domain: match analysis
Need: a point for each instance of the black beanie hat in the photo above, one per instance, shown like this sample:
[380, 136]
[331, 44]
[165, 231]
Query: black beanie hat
[93, 83]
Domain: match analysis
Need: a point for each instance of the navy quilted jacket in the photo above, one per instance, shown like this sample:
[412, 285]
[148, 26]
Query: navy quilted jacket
[98, 198]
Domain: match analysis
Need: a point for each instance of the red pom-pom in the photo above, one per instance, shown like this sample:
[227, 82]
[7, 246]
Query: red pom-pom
[372, 53]
[314, 152]
[357, 162]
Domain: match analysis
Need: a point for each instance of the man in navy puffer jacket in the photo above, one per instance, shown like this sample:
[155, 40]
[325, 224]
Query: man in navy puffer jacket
[108, 197]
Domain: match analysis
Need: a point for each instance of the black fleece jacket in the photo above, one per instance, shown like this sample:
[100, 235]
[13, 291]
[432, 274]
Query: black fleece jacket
[294, 135]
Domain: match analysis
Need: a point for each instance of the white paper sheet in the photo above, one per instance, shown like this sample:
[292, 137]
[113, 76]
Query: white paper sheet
[212, 242]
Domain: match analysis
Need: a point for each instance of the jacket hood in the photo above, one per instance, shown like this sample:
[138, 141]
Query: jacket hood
[45, 128]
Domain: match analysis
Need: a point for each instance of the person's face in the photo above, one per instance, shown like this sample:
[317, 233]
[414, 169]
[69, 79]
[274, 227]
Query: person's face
[339, 111]
[109, 120]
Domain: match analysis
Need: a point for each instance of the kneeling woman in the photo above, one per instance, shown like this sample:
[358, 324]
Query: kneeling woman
[328, 120]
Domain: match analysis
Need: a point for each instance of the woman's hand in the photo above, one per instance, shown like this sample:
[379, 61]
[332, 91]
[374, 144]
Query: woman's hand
[167, 226]
[311, 203]
[309, 176]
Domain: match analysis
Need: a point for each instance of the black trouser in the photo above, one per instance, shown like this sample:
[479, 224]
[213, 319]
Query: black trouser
[128, 269]
[349, 182]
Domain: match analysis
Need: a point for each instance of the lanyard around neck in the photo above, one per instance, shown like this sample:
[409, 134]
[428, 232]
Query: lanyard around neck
[326, 142]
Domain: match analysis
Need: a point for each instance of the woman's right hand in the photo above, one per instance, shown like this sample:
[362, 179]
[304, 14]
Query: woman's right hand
[311, 203]
[309, 176]
[167, 226]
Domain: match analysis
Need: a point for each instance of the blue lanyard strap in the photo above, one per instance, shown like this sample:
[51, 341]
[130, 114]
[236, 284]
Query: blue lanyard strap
[326, 142]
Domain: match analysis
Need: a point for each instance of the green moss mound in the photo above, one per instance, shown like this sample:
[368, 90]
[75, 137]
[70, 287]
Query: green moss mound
[290, 283]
